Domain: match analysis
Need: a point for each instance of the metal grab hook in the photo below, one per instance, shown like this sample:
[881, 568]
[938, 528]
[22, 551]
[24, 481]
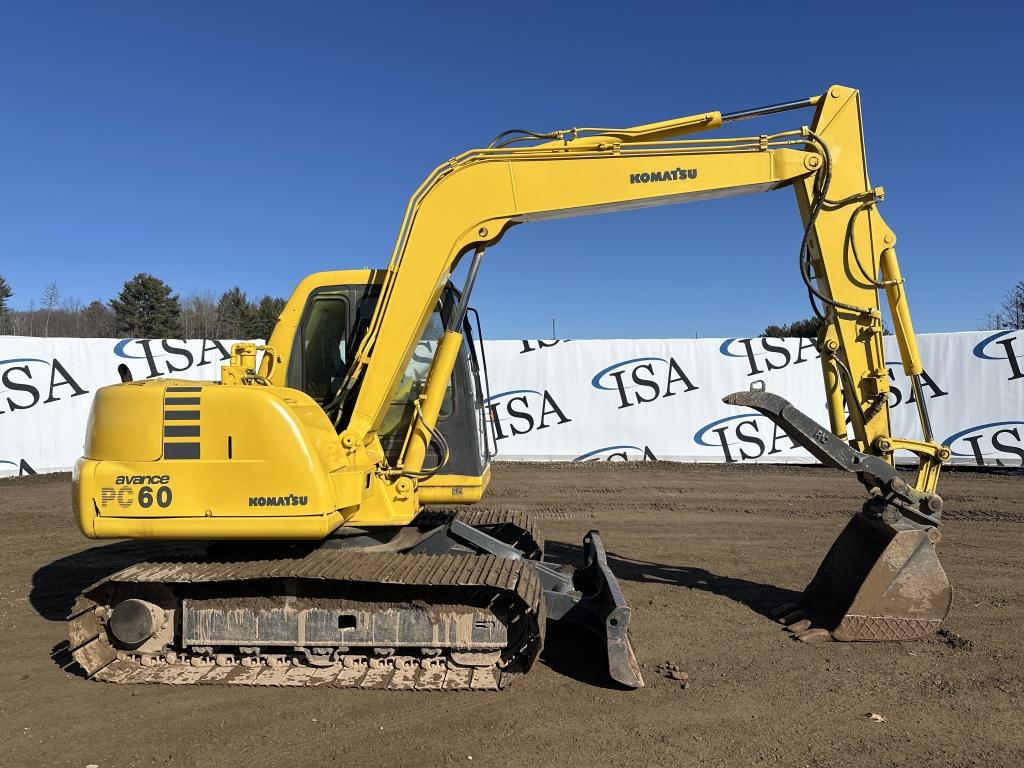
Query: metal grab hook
[916, 507]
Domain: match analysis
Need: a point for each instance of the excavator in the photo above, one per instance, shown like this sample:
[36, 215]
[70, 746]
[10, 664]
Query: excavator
[328, 474]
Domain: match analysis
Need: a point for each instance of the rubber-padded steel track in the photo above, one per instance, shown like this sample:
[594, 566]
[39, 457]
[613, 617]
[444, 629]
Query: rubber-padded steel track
[447, 576]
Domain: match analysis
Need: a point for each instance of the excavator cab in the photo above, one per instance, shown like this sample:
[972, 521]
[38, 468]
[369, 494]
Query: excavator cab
[333, 318]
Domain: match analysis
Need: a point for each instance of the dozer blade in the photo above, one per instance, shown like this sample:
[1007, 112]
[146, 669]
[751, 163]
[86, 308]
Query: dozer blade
[880, 583]
[595, 602]
[609, 607]
[882, 579]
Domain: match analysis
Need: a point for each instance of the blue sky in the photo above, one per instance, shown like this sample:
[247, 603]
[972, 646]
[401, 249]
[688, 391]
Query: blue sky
[251, 143]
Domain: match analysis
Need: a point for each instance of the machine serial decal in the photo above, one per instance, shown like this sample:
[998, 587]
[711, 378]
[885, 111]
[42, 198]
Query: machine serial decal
[125, 496]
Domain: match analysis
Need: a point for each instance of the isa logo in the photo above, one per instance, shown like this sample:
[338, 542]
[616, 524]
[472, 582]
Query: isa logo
[619, 453]
[643, 380]
[902, 391]
[521, 411]
[770, 354]
[745, 437]
[23, 467]
[983, 441]
[29, 382]
[165, 357]
[1007, 346]
[529, 346]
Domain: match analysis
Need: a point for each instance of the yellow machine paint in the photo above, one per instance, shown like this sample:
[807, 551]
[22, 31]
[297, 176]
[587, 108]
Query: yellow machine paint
[222, 461]
[253, 439]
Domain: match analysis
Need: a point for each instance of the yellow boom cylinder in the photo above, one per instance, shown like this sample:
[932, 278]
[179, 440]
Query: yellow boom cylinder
[834, 395]
[903, 327]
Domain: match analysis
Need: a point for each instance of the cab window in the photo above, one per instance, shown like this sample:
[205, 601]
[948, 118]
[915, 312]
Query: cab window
[414, 379]
[323, 346]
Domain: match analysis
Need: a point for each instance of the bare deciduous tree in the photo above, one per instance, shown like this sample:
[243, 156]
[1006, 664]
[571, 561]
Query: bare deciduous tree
[199, 317]
[98, 321]
[1011, 310]
[51, 296]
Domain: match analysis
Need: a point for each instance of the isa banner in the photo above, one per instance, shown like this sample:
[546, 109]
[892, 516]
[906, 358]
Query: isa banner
[47, 386]
[595, 400]
[647, 399]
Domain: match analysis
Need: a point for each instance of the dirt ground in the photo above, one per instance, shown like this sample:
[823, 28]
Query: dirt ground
[700, 552]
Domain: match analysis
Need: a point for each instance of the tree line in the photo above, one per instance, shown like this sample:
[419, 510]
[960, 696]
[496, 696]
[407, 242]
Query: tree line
[145, 308]
[1009, 314]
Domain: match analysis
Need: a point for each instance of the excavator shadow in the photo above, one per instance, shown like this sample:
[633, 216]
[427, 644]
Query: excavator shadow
[764, 599]
[572, 652]
[60, 654]
[56, 585]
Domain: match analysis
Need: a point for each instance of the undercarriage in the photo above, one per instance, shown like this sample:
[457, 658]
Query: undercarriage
[451, 602]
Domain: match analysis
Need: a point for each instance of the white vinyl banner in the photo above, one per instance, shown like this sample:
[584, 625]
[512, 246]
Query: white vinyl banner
[616, 400]
[47, 386]
[647, 399]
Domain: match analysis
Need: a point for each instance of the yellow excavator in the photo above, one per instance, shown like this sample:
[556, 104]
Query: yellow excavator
[327, 474]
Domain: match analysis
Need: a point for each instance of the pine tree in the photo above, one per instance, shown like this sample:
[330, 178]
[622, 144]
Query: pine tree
[236, 315]
[267, 312]
[5, 311]
[145, 309]
[801, 328]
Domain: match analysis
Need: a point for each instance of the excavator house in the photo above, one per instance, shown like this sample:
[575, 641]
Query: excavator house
[329, 475]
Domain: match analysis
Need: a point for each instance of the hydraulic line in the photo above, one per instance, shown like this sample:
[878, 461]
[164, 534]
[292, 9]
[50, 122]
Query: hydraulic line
[521, 134]
[822, 180]
[426, 474]
[853, 247]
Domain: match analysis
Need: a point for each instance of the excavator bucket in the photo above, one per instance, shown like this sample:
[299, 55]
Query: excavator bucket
[882, 579]
[878, 583]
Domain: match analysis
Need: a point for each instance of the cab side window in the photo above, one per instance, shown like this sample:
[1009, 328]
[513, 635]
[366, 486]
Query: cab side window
[412, 383]
[323, 345]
